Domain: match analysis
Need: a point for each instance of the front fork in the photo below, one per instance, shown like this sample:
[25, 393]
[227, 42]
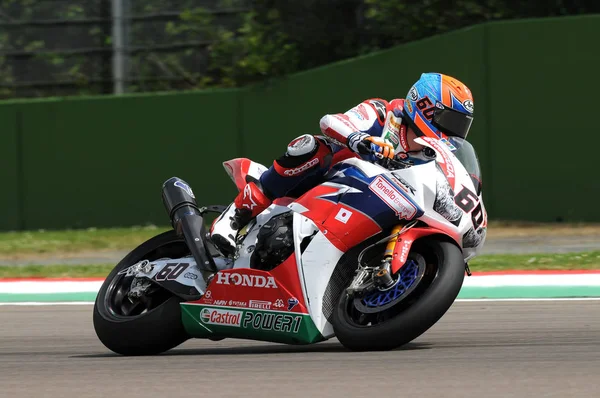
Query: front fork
[370, 278]
[382, 278]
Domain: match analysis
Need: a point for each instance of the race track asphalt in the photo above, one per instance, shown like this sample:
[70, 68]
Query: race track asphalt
[478, 349]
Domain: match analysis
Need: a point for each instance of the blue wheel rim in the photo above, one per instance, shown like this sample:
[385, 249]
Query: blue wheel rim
[408, 276]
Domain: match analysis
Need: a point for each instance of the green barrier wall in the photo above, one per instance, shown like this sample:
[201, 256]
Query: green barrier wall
[9, 168]
[101, 161]
[543, 131]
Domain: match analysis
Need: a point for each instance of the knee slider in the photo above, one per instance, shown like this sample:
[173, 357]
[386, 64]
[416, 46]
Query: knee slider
[303, 154]
[299, 151]
[303, 145]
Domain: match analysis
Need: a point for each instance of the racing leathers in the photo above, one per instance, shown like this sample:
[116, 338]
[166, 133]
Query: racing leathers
[309, 157]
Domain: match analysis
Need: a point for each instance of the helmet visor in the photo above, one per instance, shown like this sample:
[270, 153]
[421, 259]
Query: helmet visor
[450, 121]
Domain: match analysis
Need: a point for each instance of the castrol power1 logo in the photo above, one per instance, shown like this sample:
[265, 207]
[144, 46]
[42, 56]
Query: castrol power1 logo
[393, 198]
[215, 316]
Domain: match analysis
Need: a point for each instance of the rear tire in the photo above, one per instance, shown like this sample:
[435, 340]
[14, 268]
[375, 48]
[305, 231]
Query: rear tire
[157, 328]
[428, 303]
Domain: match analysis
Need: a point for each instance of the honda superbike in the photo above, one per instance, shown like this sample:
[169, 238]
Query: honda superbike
[374, 256]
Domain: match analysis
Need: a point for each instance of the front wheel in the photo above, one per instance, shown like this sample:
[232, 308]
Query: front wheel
[144, 325]
[398, 322]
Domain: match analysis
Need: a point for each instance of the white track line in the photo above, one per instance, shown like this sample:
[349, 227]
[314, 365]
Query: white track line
[551, 280]
[36, 303]
[533, 299]
[39, 287]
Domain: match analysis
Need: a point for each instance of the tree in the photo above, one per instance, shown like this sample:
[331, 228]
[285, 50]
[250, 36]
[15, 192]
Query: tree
[51, 47]
[277, 37]
[59, 47]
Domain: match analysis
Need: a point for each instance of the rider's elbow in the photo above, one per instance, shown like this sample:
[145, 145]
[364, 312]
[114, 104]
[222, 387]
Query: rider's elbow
[325, 123]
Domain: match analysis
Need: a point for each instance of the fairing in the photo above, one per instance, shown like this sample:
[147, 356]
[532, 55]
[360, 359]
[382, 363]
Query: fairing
[358, 201]
[243, 170]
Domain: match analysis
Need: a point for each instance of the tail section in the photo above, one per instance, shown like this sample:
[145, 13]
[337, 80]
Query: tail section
[243, 171]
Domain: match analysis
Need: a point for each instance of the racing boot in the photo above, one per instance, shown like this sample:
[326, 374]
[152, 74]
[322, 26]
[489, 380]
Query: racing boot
[249, 202]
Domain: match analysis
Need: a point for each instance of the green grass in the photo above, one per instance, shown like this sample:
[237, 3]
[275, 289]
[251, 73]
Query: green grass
[40, 244]
[583, 260]
[15, 245]
[22, 244]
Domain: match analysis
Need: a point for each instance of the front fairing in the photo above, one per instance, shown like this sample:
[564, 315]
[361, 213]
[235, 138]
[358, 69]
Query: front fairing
[459, 195]
[441, 193]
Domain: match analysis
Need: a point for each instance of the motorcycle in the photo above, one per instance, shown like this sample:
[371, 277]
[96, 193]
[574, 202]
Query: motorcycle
[374, 256]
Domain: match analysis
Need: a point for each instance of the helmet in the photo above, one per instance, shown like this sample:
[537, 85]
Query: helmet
[439, 106]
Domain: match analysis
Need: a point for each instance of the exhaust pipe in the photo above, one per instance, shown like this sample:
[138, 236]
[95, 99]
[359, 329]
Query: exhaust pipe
[186, 219]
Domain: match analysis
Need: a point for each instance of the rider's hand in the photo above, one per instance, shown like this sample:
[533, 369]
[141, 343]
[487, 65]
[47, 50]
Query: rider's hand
[365, 144]
[381, 149]
[358, 144]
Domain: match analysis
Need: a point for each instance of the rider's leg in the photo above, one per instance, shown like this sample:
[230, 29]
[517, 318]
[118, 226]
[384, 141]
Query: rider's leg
[249, 202]
[299, 169]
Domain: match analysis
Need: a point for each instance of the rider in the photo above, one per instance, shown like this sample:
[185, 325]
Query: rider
[436, 106]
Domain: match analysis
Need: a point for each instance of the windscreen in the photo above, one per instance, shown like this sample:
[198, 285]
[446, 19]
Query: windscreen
[468, 157]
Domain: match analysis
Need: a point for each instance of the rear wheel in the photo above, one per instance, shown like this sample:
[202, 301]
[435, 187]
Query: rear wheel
[426, 288]
[145, 325]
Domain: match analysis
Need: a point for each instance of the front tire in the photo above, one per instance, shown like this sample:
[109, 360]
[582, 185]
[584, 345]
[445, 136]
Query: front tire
[414, 315]
[151, 325]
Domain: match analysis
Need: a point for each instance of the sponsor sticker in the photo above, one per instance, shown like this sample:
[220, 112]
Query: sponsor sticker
[448, 144]
[185, 187]
[404, 140]
[445, 161]
[230, 303]
[279, 303]
[379, 107]
[260, 304]
[358, 115]
[216, 316]
[413, 94]
[402, 183]
[345, 119]
[392, 138]
[406, 244]
[304, 167]
[291, 303]
[395, 124]
[363, 111]
[393, 198]
[233, 278]
[468, 104]
[248, 196]
[189, 275]
[276, 322]
[343, 215]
